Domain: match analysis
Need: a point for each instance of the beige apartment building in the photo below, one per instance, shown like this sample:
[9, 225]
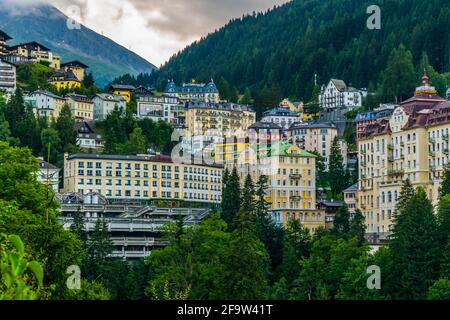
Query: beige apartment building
[292, 182]
[316, 137]
[81, 106]
[221, 120]
[142, 178]
[413, 143]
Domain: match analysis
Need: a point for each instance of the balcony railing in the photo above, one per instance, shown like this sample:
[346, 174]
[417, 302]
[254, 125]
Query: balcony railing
[295, 176]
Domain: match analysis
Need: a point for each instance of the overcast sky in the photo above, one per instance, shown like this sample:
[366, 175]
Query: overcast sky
[157, 29]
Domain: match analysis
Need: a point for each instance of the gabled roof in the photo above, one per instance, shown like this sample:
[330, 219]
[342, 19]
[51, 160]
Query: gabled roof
[45, 165]
[68, 76]
[353, 188]
[191, 87]
[339, 84]
[266, 126]
[48, 94]
[122, 87]
[74, 63]
[30, 46]
[280, 112]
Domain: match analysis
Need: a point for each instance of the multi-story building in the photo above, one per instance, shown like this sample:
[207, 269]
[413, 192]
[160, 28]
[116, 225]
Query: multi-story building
[142, 178]
[413, 143]
[135, 230]
[368, 118]
[193, 91]
[314, 137]
[124, 90]
[87, 138]
[351, 198]
[64, 80]
[259, 135]
[142, 91]
[282, 116]
[337, 95]
[104, 104]
[76, 67]
[8, 76]
[36, 52]
[292, 182]
[215, 119]
[81, 106]
[3, 39]
[163, 108]
[45, 103]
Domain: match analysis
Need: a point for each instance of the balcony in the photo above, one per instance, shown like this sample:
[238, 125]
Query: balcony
[395, 172]
[296, 198]
[390, 146]
[445, 151]
[432, 140]
[432, 168]
[295, 176]
[445, 137]
[391, 158]
[432, 154]
[402, 143]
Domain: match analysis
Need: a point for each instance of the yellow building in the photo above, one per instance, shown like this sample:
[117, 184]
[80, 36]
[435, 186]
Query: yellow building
[124, 90]
[3, 39]
[413, 143]
[142, 178]
[36, 52]
[76, 67]
[81, 106]
[224, 120]
[64, 80]
[291, 176]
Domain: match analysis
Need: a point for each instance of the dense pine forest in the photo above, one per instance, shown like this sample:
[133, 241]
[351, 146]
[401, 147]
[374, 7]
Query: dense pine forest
[285, 47]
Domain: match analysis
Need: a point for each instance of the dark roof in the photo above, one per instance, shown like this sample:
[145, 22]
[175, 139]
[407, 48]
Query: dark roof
[218, 106]
[339, 84]
[280, 112]
[353, 188]
[30, 46]
[47, 93]
[122, 87]
[265, 125]
[83, 124]
[79, 97]
[335, 203]
[4, 36]
[312, 125]
[68, 76]
[74, 63]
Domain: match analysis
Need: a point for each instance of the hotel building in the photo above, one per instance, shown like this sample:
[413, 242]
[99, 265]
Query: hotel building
[413, 143]
[142, 178]
[292, 182]
[193, 91]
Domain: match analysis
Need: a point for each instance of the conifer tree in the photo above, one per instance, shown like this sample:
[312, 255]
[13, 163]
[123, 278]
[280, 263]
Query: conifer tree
[341, 222]
[415, 248]
[406, 193]
[445, 185]
[248, 195]
[357, 226]
[231, 198]
[336, 172]
[245, 264]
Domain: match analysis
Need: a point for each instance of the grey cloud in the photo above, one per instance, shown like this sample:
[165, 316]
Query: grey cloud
[189, 19]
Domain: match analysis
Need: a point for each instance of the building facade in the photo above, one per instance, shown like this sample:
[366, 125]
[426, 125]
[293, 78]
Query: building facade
[87, 138]
[45, 103]
[163, 108]
[104, 104]
[4, 37]
[124, 90]
[76, 67]
[81, 106]
[413, 143]
[36, 52]
[193, 91]
[48, 174]
[313, 137]
[351, 198]
[291, 176]
[215, 119]
[337, 95]
[8, 76]
[142, 178]
[64, 80]
[281, 116]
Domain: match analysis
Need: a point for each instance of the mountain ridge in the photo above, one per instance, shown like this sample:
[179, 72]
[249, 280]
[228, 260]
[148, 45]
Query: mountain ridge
[48, 25]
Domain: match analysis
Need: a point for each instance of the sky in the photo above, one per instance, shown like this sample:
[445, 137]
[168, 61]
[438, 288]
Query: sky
[156, 29]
